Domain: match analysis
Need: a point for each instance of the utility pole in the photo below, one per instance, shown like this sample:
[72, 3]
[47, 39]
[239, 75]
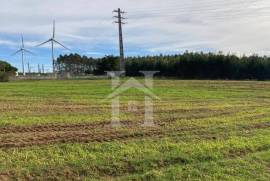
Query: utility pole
[121, 44]
[28, 65]
[38, 68]
[23, 64]
[43, 69]
[53, 57]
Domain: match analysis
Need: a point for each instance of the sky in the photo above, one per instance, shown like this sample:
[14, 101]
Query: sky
[154, 27]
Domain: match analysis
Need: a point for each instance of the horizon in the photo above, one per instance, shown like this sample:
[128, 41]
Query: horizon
[204, 26]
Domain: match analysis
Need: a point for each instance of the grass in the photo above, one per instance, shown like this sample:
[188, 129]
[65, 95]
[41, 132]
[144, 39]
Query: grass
[219, 130]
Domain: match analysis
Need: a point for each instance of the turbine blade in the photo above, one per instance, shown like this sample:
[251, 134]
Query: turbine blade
[61, 44]
[16, 52]
[44, 43]
[22, 41]
[29, 52]
[53, 28]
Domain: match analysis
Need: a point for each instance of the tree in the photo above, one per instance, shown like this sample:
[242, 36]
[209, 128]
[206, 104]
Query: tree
[6, 70]
[75, 64]
[107, 63]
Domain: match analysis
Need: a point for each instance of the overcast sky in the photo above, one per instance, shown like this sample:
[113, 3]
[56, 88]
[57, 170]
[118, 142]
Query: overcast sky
[154, 27]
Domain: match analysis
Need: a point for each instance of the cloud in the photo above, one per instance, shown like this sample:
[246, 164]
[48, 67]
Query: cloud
[154, 26]
[7, 43]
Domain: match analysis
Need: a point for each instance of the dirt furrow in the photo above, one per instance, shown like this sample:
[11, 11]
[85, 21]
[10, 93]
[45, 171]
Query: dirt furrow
[12, 137]
[70, 137]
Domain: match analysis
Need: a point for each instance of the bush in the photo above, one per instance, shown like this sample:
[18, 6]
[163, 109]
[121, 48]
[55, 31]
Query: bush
[108, 63]
[6, 70]
[4, 77]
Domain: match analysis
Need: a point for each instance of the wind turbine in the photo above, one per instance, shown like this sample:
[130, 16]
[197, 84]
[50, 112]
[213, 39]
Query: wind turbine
[23, 51]
[53, 40]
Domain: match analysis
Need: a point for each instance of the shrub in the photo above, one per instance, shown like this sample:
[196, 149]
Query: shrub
[6, 70]
[4, 77]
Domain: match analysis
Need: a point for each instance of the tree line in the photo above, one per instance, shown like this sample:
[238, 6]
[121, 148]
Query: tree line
[77, 64]
[189, 65]
[6, 70]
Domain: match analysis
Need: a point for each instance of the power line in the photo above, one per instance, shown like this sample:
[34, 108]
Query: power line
[188, 9]
[191, 6]
[210, 12]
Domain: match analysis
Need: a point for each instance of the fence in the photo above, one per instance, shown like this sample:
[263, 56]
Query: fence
[66, 76]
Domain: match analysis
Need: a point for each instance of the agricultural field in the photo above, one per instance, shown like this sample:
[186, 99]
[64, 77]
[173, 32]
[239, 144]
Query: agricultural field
[204, 130]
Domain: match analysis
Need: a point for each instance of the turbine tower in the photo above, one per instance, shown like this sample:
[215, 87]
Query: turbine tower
[52, 40]
[23, 51]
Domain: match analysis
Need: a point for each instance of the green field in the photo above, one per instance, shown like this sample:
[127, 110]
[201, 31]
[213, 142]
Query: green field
[204, 130]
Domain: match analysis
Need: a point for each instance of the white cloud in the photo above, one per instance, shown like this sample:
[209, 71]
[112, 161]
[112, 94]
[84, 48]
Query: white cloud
[7, 43]
[154, 25]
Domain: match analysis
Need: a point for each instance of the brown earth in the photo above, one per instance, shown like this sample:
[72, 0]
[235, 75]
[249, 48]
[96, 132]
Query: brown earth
[24, 136]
